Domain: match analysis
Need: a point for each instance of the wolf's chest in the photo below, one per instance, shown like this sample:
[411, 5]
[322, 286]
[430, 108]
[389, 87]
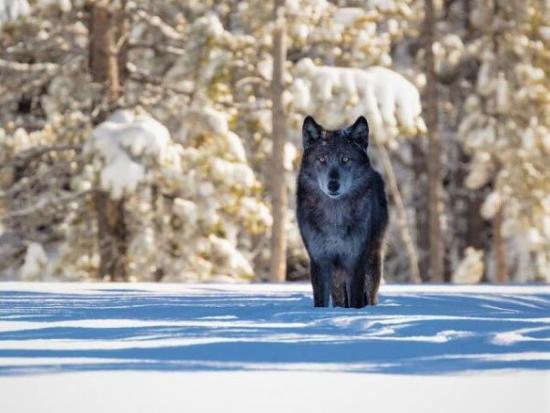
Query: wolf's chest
[335, 234]
[339, 216]
[335, 241]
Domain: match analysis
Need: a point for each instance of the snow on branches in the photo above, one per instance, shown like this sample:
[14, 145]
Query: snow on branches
[123, 146]
[391, 103]
[209, 195]
[217, 211]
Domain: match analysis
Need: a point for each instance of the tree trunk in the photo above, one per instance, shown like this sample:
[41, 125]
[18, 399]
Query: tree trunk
[106, 28]
[499, 243]
[278, 184]
[402, 223]
[103, 57]
[501, 269]
[436, 270]
[157, 202]
[421, 208]
[112, 237]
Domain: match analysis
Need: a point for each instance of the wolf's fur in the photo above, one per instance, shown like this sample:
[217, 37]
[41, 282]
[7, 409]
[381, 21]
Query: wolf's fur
[342, 214]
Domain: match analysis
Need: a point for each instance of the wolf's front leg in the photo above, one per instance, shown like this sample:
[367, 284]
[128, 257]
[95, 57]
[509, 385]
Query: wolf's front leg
[338, 288]
[354, 275]
[321, 281]
[357, 290]
[373, 277]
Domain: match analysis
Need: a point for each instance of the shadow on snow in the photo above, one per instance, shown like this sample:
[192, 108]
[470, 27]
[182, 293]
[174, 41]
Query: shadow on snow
[213, 329]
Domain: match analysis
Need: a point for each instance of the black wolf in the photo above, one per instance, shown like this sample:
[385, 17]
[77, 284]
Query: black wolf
[342, 214]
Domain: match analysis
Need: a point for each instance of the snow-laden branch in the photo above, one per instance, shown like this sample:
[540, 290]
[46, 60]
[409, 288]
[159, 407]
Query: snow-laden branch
[122, 143]
[390, 101]
[177, 51]
[158, 23]
[23, 158]
[27, 67]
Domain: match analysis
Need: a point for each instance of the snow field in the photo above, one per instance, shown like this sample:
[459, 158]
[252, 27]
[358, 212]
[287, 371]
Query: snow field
[202, 348]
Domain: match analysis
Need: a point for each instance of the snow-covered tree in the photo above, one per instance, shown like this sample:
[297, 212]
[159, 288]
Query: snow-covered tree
[506, 130]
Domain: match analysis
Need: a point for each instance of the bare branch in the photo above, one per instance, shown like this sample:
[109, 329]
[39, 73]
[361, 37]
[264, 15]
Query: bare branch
[27, 182]
[45, 203]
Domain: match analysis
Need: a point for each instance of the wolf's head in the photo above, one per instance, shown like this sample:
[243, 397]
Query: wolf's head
[336, 160]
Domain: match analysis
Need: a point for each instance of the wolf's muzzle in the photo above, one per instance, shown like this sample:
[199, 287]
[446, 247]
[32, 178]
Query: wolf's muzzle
[333, 186]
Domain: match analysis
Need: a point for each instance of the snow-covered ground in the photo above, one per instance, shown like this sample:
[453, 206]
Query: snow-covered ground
[201, 348]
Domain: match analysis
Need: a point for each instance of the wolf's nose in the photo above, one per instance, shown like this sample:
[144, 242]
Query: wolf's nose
[333, 185]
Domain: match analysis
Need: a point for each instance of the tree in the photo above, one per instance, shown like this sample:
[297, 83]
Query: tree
[403, 224]
[279, 204]
[108, 34]
[504, 130]
[173, 222]
[499, 245]
[437, 245]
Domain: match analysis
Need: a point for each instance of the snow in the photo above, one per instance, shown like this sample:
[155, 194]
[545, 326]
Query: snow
[272, 392]
[211, 24]
[235, 146]
[346, 16]
[227, 252]
[250, 207]
[186, 210]
[121, 141]
[491, 205]
[35, 264]
[63, 5]
[233, 173]
[168, 347]
[13, 9]
[470, 268]
[386, 5]
[388, 99]
[290, 154]
[204, 120]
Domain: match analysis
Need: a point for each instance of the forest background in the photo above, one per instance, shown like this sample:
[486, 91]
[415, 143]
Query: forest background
[147, 140]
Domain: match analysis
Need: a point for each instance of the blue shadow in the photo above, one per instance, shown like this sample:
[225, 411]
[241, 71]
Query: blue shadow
[217, 329]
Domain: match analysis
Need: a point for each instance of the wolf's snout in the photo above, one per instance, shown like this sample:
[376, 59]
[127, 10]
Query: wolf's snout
[333, 185]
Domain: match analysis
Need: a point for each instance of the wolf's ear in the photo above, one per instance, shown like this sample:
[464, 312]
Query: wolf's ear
[311, 132]
[359, 132]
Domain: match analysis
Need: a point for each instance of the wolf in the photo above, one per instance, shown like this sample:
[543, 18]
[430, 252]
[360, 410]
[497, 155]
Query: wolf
[342, 214]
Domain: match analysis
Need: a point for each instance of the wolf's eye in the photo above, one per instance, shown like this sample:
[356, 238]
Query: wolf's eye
[345, 159]
[322, 159]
